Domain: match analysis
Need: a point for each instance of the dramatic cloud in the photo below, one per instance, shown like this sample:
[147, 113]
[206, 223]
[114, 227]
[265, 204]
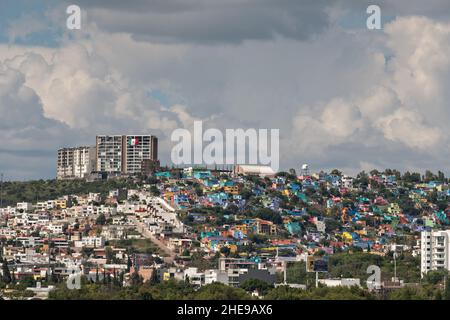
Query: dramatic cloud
[406, 107]
[63, 97]
[210, 21]
[341, 96]
[25, 133]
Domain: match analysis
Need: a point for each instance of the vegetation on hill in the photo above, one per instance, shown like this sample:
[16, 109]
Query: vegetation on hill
[41, 190]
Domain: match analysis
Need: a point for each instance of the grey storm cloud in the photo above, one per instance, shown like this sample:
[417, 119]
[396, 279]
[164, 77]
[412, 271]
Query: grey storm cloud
[210, 21]
[234, 21]
[341, 95]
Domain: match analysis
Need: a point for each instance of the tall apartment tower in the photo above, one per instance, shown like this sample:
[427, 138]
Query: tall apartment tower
[434, 250]
[75, 163]
[125, 153]
[109, 153]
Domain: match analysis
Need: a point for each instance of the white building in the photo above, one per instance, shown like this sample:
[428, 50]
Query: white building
[138, 148]
[125, 153]
[347, 182]
[434, 250]
[75, 163]
[344, 282]
[24, 206]
[254, 170]
[195, 277]
[96, 242]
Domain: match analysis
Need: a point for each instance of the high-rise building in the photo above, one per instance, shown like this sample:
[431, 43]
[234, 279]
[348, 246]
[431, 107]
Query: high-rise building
[434, 250]
[125, 153]
[109, 153]
[138, 148]
[75, 163]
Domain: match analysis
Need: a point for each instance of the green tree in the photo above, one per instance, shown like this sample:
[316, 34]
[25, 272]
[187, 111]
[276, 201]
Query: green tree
[225, 251]
[447, 289]
[261, 286]
[136, 279]
[101, 219]
[129, 263]
[6, 273]
[220, 291]
[154, 279]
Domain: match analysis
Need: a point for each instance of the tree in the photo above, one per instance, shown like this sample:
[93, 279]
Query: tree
[25, 282]
[336, 172]
[109, 255]
[220, 291]
[129, 263]
[447, 289]
[154, 279]
[441, 176]
[134, 198]
[435, 276]
[136, 279]
[104, 275]
[261, 286]
[296, 273]
[154, 191]
[6, 273]
[198, 190]
[101, 219]
[121, 276]
[96, 275]
[225, 251]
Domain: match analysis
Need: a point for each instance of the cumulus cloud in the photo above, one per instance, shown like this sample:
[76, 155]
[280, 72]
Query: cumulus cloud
[26, 134]
[65, 98]
[405, 108]
[341, 98]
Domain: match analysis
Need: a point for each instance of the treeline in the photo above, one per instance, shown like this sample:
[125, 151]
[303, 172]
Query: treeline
[354, 265]
[170, 290]
[407, 176]
[176, 290]
[41, 190]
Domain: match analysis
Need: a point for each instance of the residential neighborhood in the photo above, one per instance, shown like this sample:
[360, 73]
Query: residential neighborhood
[203, 226]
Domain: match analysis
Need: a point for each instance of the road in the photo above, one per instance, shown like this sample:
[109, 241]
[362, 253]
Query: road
[161, 245]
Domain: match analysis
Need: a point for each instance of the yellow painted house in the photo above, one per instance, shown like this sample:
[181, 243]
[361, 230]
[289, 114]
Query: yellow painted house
[61, 203]
[347, 237]
[394, 208]
[234, 190]
[232, 247]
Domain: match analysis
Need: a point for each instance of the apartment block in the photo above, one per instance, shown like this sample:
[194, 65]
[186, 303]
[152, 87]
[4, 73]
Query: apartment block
[125, 153]
[109, 153]
[75, 163]
[434, 250]
[139, 148]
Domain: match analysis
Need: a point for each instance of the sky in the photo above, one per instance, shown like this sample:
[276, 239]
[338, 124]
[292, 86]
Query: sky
[342, 96]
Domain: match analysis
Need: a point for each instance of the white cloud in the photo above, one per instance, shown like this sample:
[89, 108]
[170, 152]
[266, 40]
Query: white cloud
[340, 99]
[404, 107]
